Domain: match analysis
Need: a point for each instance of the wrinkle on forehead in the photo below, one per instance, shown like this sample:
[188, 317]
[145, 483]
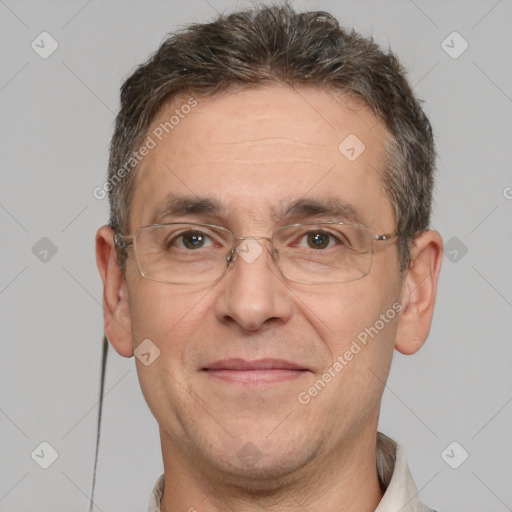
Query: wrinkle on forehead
[269, 140]
[255, 160]
[264, 150]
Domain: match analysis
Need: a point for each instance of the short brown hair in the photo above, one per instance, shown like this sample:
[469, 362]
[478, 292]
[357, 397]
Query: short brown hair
[278, 44]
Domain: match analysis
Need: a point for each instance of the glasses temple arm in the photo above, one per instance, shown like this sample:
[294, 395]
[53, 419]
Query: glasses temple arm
[123, 242]
[386, 236]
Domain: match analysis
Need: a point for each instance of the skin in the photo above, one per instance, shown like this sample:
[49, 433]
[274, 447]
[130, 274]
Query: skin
[253, 151]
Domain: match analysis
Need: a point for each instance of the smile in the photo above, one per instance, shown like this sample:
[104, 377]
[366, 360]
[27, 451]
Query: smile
[255, 373]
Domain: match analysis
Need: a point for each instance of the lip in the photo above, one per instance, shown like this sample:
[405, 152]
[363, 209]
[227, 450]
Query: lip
[256, 372]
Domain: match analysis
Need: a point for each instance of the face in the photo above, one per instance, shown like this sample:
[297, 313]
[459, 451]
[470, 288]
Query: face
[236, 385]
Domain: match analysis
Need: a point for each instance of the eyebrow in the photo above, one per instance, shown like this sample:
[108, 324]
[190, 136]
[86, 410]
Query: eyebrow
[330, 206]
[185, 205]
[297, 210]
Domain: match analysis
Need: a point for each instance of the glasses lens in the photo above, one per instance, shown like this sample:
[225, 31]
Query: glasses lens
[182, 253]
[326, 252]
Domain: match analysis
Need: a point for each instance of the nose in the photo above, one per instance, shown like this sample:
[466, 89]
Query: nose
[253, 291]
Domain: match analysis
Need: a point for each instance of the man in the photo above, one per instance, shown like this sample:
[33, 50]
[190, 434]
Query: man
[270, 183]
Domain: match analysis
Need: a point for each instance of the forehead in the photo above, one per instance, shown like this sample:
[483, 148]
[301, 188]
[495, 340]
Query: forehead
[252, 150]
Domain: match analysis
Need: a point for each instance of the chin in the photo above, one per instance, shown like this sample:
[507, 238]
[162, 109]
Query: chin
[263, 480]
[263, 471]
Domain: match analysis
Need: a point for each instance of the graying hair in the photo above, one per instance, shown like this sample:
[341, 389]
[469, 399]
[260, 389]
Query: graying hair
[277, 44]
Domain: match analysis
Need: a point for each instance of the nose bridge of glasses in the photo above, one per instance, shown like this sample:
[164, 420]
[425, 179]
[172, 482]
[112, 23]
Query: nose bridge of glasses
[249, 248]
[242, 238]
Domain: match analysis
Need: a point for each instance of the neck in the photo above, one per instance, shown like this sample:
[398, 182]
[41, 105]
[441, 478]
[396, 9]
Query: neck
[343, 479]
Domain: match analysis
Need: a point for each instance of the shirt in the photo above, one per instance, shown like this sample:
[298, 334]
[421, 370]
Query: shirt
[400, 493]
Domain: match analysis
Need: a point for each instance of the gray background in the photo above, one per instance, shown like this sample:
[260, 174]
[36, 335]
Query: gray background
[57, 116]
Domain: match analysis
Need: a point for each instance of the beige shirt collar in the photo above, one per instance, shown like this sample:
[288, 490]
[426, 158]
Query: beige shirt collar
[400, 495]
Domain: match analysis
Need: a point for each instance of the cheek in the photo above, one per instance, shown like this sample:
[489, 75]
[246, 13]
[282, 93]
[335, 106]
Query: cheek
[170, 318]
[357, 325]
[168, 315]
[341, 313]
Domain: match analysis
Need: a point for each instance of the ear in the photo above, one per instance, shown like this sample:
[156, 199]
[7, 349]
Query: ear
[419, 292]
[116, 311]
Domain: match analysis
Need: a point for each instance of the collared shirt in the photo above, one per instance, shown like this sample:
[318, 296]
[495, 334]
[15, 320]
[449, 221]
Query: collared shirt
[400, 493]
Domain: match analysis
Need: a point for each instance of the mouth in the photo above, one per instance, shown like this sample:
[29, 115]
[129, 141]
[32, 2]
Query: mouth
[254, 373]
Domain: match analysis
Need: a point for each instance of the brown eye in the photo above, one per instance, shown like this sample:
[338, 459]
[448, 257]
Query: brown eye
[318, 240]
[193, 240]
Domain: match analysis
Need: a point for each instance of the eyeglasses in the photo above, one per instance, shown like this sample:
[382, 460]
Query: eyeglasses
[190, 253]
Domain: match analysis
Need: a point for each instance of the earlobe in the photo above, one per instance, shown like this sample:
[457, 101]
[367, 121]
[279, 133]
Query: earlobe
[116, 311]
[419, 292]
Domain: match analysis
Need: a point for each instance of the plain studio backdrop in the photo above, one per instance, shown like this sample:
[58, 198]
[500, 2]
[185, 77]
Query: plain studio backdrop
[449, 406]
